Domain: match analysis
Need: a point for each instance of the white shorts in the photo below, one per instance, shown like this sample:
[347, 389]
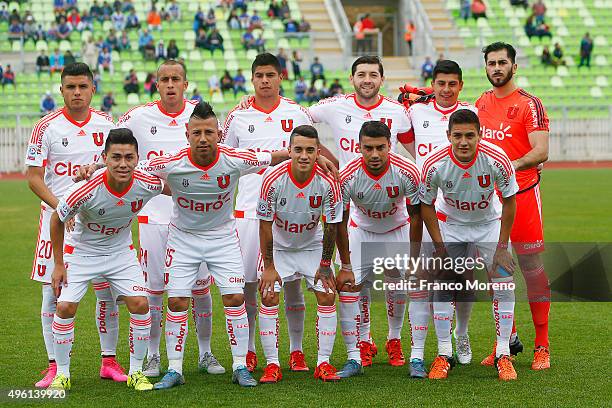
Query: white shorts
[477, 240]
[248, 233]
[218, 249]
[121, 271]
[293, 265]
[362, 262]
[153, 240]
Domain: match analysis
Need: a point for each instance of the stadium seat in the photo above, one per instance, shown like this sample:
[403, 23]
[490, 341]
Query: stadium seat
[133, 99]
[65, 46]
[556, 82]
[41, 45]
[596, 92]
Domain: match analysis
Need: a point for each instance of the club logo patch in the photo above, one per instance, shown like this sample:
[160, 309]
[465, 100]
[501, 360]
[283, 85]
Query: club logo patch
[185, 183]
[65, 141]
[484, 181]
[348, 119]
[251, 128]
[223, 181]
[153, 130]
[101, 211]
[283, 201]
[425, 124]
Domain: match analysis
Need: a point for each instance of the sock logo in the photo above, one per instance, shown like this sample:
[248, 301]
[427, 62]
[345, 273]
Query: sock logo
[231, 334]
[102, 318]
[180, 338]
[131, 338]
[496, 315]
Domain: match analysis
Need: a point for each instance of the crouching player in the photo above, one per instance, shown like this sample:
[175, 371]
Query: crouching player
[384, 187]
[293, 197]
[468, 172]
[101, 247]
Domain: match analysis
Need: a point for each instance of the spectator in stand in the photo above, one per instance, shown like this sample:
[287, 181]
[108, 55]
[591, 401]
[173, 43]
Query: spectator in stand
[95, 11]
[304, 26]
[532, 29]
[260, 43]
[524, 3]
[148, 51]
[127, 6]
[144, 37]
[105, 60]
[255, 21]
[240, 4]
[215, 41]
[244, 20]
[213, 84]
[316, 71]
[427, 70]
[15, 30]
[160, 51]
[42, 63]
[300, 90]
[546, 57]
[198, 19]
[586, 49]
[324, 91]
[296, 60]
[124, 42]
[8, 77]
[59, 6]
[4, 14]
[440, 58]
[558, 55]
[107, 103]
[47, 104]
[201, 39]
[107, 11]
[41, 34]
[233, 22]
[29, 27]
[360, 36]
[130, 83]
[336, 88]
[86, 22]
[196, 96]
[479, 9]
[69, 58]
[465, 10]
[56, 61]
[63, 29]
[154, 19]
[539, 10]
[282, 60]
[112, 41]
[150, 85]
[312, 94]
[132, 20]
[248, 40]
[284, 11]
[239, 83]
[118, 19]
[89, 51]
[175, 11]
[291, 27]
[211, 19]
[227, 82]
[165, 15]
[274, 9]
[97, 80]
[71, 5]
[369, 27]
[409, 32]
[172, 52]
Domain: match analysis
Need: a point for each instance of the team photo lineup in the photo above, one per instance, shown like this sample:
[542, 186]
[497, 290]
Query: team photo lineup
[260, 205]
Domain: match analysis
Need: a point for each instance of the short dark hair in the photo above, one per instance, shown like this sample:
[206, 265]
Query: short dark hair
[375, 128]
[173, 62]
[498, 46]
[308, 131]
[447, 67]
[77, 69]
[264, 59]
[120, 136]
[203, 111]
[462, 117]
[368, 59]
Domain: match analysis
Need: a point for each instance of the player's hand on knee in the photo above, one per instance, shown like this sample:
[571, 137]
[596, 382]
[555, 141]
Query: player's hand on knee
[502, 259]
[345, 281]
[327, 278]
[59, 278]
[266, 283]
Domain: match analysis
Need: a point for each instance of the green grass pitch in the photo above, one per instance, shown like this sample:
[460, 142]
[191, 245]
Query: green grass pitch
[575, 203]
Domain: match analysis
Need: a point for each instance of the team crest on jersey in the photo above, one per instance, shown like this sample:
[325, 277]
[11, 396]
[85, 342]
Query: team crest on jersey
[315, 201]
[101, 211]
[287, 125]
[512, 112]
[65, 141]
[185, 183]
[392, 191]
[425, 124]
[223, 181]
[387, 122]
[348, 119]
[449, 184]
[98, 138]
[360, 195]
[484, 181]
[251, 128]
[153, 130]
[283, 201]
[136, 205]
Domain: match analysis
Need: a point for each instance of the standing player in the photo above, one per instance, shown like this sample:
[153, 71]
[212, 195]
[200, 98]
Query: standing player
[429, 126]
[383, 186]
[517, 122]
[294, 196]
[101, 247]
[60, 144]
[345, 114]
[468, 172]
[160, 127]
[265, 124]
[203, 178]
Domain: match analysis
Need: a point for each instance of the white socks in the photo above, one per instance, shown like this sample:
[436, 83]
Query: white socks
[237, 326]
[47, 312]
[419, 311]
[140, 328]
[503, 316]
[156, 308]
[443, 318]
[350, 319]
[107, 319]
[396, 309]
[201, 308]
[177, 327]
[364, 310]
[326, 332]
[63, 337]
[250, 300]
[294, 312]
[268, 332]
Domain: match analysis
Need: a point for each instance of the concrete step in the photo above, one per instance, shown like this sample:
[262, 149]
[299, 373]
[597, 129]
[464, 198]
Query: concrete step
[321, 26]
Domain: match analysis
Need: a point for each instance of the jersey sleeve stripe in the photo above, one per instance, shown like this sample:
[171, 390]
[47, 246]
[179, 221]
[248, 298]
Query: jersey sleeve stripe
[439, 155]
[497, 156]
[129, 111]
[240, 154]
[540, 112]
[407, 166]
[146, 178]
[103, 114]
[83, 190]
[164, 160]
[350, 168]
[269, 180]
[331, 182]
[36, 133]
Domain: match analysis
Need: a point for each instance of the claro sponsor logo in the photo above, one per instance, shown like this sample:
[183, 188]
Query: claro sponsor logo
[199, 206]
[105, 229]
[349, 145]
[483, 204]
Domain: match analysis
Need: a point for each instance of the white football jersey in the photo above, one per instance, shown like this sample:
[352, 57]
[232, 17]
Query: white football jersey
[380, 201]
[468, 189]
[61, 145]
[258, 130]
[104, 217]
[296, 208]
[204, 196]
[345, 116]
[429, 125]
[158, 132]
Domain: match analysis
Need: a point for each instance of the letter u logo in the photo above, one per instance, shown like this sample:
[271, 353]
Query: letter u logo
[512, 112]
[287, 125]
[484, 181]
[315, 202]
[392, 191]
[387, 122]
[223, 181]
[136, 205]
[98, 138]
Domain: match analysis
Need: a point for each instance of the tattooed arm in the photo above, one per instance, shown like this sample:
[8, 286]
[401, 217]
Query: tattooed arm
[269, 275]
[325, 272]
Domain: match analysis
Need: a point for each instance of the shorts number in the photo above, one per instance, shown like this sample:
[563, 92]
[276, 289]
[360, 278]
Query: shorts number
[169, 252]
[44, 249]
[143, 255]
[166, 278]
